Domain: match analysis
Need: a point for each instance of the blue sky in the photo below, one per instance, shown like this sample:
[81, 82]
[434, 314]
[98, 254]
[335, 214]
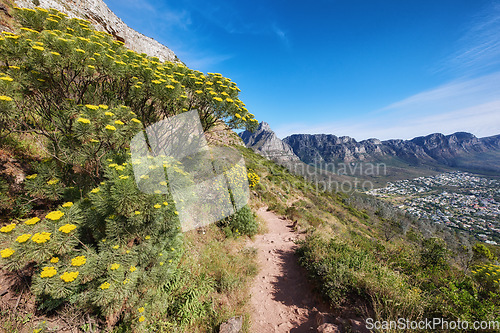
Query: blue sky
[385, 69]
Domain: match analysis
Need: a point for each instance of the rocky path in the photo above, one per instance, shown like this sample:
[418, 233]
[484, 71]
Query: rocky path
[282, 299]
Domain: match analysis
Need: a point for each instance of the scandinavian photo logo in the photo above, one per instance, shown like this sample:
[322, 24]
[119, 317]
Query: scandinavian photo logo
[206, 183]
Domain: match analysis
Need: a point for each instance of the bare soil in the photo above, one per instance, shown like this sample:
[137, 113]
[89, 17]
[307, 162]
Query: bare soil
[282, 298]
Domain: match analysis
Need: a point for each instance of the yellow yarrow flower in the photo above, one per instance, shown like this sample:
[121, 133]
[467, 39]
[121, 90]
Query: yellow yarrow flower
[110, 114]
[5, 253]
[32, 221]
[110, 128]
[69, 276]
[55, 215]
[41, 237]
[96, 190]
[116, 247]
[5, 98]
[119, 122]
[83, 120]
[115, 266]
[78, 261]
[141, 319]
[38, 48]
[6, 78]
[67, 204]
[54, 260]
[8, 228]
[91, 107]
[104, 107]
[135, 120]
[67, 228]
[33, 176]
[53, 181]
[137, 212]
[157, 206]
[133, 269]
[23, 238]
[105, 285]
[48, 272]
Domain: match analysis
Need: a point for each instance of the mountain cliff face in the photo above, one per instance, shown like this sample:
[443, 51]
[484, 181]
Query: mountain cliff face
[97, 12]
[451, 150]
[265, 142]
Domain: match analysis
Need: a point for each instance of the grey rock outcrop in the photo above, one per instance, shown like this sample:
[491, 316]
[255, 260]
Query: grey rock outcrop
[233, 325]
[97, 12]
[265, 142]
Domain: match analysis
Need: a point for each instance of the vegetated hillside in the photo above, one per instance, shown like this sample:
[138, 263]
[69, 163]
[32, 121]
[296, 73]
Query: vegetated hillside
[81, 247]
[366, 256]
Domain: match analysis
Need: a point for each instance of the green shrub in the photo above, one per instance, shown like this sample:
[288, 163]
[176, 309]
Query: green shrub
[344, 270]
[243, 222]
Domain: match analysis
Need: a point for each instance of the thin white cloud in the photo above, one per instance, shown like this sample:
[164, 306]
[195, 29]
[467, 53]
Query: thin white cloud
[466, 105]
[479, 48]
[282, 36]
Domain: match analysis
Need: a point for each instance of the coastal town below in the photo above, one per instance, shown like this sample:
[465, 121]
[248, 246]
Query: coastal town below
[455, 199]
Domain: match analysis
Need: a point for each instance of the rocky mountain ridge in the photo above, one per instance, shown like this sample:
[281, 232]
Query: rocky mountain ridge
[97, 12]
[265, 142]
[459, 150]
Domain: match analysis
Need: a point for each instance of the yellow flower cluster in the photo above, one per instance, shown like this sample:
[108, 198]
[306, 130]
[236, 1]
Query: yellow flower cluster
[83, 120]
[41, 237]
[78, 261]
[8, 228]
[48, 272]
[5, 253]
[33, 176]
[53, 181]
[23, 238]
[55, 215]
[5, 98]
[32, 221]
[69, 276]
[253, 179]
[54, 260]
[105, 285]
[115, 266]
[67, 204]
[67, 228]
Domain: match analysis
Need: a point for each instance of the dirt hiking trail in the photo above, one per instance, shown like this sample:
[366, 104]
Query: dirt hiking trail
[282, 298]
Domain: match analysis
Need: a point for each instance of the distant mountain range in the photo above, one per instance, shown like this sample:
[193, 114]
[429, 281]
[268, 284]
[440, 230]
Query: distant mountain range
[460, 150]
